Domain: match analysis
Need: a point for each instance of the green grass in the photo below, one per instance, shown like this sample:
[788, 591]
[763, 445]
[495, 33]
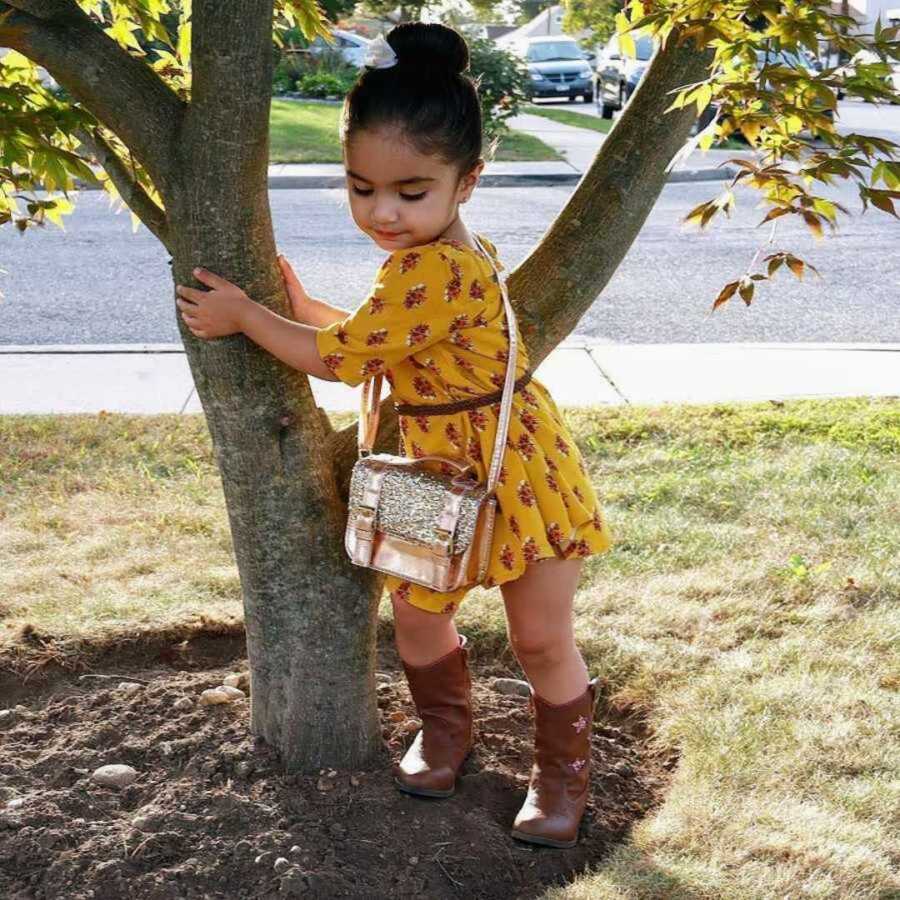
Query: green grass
[750, 609]
[570, 117]
[596, 123]
[308, 133]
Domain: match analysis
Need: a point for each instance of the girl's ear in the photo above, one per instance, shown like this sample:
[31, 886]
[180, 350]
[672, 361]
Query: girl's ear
[468, 182]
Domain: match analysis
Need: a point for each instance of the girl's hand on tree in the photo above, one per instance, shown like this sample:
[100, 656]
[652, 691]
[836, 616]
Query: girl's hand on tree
[214, 313]
[300, 299]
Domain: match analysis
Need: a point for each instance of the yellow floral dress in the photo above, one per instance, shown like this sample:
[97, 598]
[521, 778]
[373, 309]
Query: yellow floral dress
[434, 323]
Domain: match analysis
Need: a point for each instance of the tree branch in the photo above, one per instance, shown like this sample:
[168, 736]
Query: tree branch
[120, 90]
[134, 195]
[610, 205]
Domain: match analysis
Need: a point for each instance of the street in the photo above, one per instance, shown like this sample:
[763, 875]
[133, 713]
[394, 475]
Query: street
[99, 283]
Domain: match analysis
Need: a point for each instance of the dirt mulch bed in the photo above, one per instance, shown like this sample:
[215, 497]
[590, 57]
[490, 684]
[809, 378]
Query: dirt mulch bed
[210, 814]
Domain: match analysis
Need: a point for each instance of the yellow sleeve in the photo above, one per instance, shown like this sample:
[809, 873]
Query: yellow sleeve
[414, 303]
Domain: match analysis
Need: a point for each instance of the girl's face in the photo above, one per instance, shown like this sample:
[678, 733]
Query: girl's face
[399, 197]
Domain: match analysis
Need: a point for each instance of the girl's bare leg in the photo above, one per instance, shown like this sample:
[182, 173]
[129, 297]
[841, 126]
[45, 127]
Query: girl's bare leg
[421, 636]
[539, 625]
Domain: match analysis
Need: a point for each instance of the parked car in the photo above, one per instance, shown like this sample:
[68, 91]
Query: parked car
[351, 46]
[617, 75]
[793, 60]
[558, 67]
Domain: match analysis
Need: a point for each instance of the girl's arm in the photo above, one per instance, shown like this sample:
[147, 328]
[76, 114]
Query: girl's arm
[321, 314]
[292, 342]
[226, 309]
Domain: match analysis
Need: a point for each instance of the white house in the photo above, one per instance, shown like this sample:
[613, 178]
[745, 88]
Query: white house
[868, 11]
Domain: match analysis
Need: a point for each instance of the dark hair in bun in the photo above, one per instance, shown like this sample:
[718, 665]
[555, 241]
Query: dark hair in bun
[426, 95]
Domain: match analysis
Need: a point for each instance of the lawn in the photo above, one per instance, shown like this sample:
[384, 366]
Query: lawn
[595, 123]
[308, 133]
[748, 611]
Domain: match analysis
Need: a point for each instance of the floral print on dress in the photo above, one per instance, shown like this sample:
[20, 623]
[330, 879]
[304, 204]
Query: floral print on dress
[435, 326]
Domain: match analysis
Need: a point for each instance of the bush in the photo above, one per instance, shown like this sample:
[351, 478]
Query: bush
[503, 83]
[315, 75]
[324, 84]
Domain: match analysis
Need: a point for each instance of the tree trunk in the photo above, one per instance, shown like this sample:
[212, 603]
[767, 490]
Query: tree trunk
[310, 615]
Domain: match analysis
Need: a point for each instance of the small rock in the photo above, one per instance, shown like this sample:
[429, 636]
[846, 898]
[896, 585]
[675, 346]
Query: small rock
[265, 858]
[7, 715]
[296, 849]
[129, 687]
[325, 784]
[213, 696]
[514, 687]
[383, 678]
[383, 688]
[355, 780]
[281, 865]
[239, 680]
[234, 692]
[243, 769]
[114, 775]
[15, 803]
[183, 703]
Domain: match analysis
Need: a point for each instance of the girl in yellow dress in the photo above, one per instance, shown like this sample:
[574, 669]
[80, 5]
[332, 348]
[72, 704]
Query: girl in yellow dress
[434, 324]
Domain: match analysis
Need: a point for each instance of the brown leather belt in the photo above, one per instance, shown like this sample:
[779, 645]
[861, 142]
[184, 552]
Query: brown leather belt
[440, 409]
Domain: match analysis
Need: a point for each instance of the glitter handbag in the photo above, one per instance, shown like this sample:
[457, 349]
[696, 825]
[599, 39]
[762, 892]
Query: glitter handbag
[404, 519]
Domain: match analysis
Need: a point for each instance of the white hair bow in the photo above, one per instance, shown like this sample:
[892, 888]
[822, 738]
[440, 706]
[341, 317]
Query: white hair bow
[379, 54]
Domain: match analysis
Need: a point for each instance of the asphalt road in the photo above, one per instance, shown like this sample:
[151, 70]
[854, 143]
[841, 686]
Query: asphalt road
[100, 283]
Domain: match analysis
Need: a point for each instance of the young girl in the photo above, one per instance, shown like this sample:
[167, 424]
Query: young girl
[434, 324]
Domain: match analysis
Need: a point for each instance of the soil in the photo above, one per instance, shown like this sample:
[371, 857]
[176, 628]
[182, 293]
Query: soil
[211, 814]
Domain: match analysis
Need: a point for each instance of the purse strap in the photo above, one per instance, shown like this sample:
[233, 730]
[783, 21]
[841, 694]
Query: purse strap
[371, 393]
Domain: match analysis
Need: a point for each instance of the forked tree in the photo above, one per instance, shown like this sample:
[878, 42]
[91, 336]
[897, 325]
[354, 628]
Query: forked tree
[180, 132]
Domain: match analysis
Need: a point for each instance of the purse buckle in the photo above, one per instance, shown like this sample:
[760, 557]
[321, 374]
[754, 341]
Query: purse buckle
[365, 518]
[446, 538]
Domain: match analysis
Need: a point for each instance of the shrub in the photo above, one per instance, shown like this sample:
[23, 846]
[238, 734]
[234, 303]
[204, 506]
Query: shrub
[503, 83]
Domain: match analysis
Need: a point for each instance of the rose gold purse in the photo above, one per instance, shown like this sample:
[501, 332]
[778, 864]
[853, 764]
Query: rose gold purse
[406, 520]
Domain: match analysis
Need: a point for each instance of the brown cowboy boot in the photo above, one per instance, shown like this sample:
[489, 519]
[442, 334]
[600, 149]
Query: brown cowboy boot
[558, 789]
[442, 694]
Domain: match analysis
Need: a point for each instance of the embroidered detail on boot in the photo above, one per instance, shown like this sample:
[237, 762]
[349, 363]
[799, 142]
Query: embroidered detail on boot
[580, 724]
[577, 764]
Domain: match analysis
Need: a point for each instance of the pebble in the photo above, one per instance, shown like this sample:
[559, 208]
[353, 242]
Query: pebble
[514, 687]
[114, 775]
[238, 680]
[222, 694]
[129, 687]
[281, 865]
[15, 803]
[383, 678]
[183, 703]
[6, 715]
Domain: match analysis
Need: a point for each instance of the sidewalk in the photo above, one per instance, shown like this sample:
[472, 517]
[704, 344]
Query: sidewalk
[155, 378]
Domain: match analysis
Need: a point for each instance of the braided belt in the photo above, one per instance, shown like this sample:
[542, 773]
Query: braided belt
[440, 409]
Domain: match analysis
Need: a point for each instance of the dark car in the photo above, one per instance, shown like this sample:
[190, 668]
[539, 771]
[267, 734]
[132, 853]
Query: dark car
[617, 75]
[558, 67]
